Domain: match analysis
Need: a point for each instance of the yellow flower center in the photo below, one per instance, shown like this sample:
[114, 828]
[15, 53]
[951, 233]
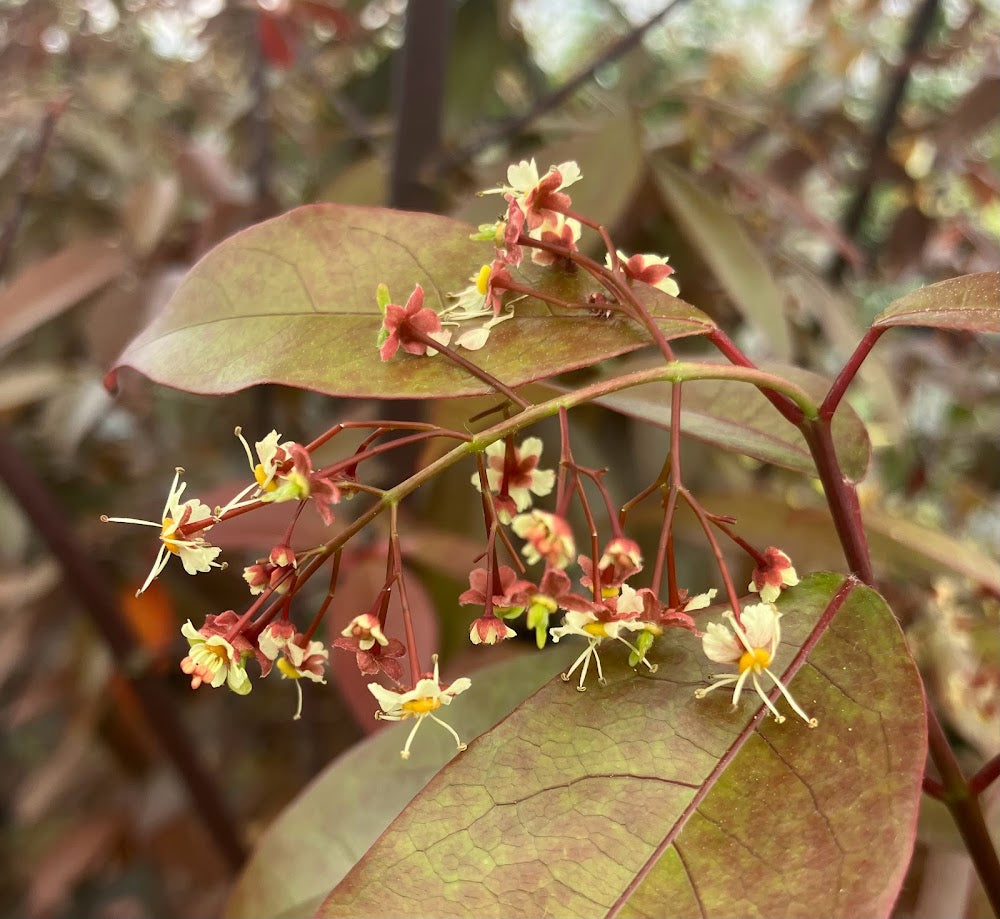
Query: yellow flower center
[759, 658]
[596, 629]
[482, 279]
[261, 476]
[421, 706]
[285, 666]
[166, 531]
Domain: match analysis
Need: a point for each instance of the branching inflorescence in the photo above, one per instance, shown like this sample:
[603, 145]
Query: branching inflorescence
[608, 604]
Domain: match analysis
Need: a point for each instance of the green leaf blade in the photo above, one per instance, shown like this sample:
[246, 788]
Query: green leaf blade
[293, 301]
[576, 799]
[969, 303]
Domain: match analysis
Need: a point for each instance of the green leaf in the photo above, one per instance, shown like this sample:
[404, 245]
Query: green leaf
[723, 243]
[737, 417]
[292, 301]
[328, 827]
[638, 799]
[970, 303]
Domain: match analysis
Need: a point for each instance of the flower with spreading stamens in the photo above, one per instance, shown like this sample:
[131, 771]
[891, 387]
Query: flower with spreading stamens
[195, 552]
[750, 646]
[587, 625]
[420, 703]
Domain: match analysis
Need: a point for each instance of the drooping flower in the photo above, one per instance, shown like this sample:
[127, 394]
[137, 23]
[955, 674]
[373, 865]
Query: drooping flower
[420, 703]
[212, 659]
[517, 477]
[178, 534]
[306, 659]
[595, 630]
[555, 591]
[750, 647]
[399, 323]
[482, 299]
[650, 269]
[367, 630]
[510, 592]
[272, 572]
[621, 559]
[548, 537]
[275, 638]
[773, 573]
[489, 630]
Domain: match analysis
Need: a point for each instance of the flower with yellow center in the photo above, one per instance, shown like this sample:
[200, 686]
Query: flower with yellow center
[214, 661]
[750, 647]
[587, 625]
[419, 703]
[195, 553]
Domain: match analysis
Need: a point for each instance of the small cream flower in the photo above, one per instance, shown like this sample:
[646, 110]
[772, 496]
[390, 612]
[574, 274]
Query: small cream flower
[303, 660]
[195, 553]
[367, 630]
[547, 536]
[522, 477]
[214, 661]
[774, 573]
[588, 626]
[420, 702]
[749, 647]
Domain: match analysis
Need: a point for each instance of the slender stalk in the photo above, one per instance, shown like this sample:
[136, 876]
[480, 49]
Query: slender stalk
[961, 801]
[849, 371]
[986, 776]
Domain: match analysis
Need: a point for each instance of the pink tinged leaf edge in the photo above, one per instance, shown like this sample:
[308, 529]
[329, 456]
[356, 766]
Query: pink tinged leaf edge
[443, 821]
[968, 303]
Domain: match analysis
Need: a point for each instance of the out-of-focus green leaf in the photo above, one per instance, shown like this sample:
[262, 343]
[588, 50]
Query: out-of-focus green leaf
[737, 417]
[292, 301]
[970, 303]
[723, 243]
[637, 799]
[328, 827]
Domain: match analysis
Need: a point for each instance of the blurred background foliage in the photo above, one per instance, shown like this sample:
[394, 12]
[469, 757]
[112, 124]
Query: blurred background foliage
[802, 163]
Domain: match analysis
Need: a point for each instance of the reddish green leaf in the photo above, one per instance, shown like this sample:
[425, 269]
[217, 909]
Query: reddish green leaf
[292, 301]
[737, 263]
[737, 417]
[638, 799]
[328, 827]
[970, 302]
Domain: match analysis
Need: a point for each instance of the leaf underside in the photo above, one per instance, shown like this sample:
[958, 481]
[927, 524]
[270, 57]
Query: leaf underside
[611, 802]
[737, 417]
[292, 301]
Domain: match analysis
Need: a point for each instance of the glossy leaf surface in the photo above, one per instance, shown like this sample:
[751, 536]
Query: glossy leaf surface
[292, 301]
[637, 799]
[970, 303]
